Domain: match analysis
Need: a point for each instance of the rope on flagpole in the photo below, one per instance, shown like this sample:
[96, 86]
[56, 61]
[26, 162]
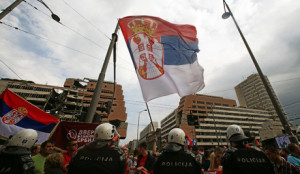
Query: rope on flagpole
[150, 118]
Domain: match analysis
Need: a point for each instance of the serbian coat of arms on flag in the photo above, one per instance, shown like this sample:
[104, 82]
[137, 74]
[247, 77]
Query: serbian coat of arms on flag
[164, 56]
[17, 114]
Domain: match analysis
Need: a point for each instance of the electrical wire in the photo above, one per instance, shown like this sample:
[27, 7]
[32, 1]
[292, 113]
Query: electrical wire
[290, 104]
[86, 19]
[10, 69]
[54, 42]
[78, 33]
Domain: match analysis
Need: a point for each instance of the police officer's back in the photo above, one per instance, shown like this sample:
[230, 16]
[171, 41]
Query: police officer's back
[15, 158]
[240, 159]
[98, 156]
[173, 158]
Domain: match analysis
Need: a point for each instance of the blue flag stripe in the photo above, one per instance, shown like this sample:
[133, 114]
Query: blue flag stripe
[26, 122]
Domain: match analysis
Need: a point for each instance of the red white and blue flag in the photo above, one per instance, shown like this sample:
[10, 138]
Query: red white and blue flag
[17, 114]
[189, 141]
[164, 56]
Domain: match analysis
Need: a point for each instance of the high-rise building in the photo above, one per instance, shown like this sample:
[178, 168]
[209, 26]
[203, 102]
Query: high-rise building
[205, 119]
[72, 101]
[251, 93]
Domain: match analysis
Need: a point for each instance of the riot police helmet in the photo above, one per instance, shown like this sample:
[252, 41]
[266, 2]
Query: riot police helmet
[177, 135]
[24, 138]
[105, 131]
[235, 133]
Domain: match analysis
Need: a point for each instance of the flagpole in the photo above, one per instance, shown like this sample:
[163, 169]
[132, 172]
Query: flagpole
[95, 99]
[150, 118]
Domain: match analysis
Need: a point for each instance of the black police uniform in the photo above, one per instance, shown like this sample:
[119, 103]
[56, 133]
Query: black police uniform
[16, 160]
[240, 159]
[175, 161]
[97, 157]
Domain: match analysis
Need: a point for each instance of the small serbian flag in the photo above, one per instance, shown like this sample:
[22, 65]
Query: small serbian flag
[164, 56]
[189, 141]
[17, 114]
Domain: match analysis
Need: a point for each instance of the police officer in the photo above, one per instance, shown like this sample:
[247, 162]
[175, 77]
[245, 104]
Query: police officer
[16, 158]
[99, 156]
[173, 158]
[240, 159]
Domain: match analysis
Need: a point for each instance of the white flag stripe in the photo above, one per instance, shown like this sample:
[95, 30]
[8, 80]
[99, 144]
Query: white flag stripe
[182, 79]
[8, 130]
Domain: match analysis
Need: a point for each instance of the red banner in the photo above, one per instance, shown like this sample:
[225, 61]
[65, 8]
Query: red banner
[82, 132]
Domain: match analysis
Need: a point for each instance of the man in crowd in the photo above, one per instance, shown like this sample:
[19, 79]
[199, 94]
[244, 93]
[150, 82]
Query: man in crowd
[294, 156]
[129, 162]
[240, 159]
[71, 148]
[97, 156]
[145, 160]
[284, 152]
[35, 150]
[15, 157]
[47, 148]
[174, 159]
[281, 166]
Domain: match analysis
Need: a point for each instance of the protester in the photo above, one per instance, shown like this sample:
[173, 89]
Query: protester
[97, 156]
[239, 159]
[284, 152]
[145, 160]
[35, 150]
[128, 160]
[174, 159]
[215, 162]
[15, 157]
[294, 156]
[281, 166]
[154, 151]
[135, 157]
[190, 151]
[47, 148]
[71, 148]
[53, 164]
[206, 160]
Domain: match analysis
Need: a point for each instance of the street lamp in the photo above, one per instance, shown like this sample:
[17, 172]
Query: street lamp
[137, 132]
[279, 112]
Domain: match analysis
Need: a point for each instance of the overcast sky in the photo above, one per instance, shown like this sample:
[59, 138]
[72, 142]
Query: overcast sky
[77, 48]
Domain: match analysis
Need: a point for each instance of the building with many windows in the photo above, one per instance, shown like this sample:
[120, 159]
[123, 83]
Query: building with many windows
[71, 102]
[148, 129]
[251, 93]
[168, 123]
[205, 119]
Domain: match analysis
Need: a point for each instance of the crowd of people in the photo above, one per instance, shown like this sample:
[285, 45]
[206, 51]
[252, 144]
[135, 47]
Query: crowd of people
[103, 155]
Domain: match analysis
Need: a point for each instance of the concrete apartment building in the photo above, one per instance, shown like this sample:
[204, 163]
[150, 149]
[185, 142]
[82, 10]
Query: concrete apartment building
[148, 129]
[71, 102]
[205, 119]
[251, 93]
[168, 123]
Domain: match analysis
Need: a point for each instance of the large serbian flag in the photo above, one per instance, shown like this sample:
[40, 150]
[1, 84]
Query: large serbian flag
[164, 56]
[17, 114]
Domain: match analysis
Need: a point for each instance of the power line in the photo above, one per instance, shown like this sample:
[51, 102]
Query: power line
[54, 42]
[10, 69]
[83, 36]
[224, 90]
[291, 104]
[78, 33]
[86, 19]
